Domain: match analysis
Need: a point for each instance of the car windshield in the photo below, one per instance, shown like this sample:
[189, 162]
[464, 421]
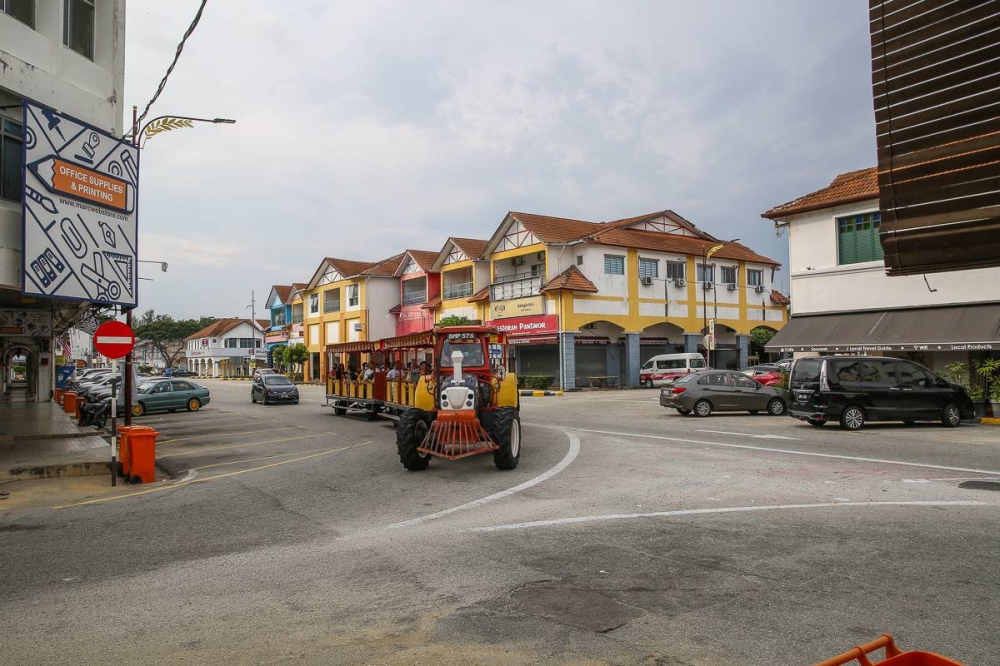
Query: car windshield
[471, 348]
[276, 380]
[698, 363]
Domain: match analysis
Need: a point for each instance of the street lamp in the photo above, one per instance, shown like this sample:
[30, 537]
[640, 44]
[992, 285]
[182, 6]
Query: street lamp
[704, 294]
[152, 128]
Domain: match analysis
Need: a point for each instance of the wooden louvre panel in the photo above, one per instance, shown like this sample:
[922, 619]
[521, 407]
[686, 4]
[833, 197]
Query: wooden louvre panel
[936, 89]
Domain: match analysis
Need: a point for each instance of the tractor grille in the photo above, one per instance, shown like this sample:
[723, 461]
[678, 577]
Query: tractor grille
[455, 435]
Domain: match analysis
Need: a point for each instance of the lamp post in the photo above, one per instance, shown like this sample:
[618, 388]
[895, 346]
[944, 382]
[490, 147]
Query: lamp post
[253, 331]
[152, 128]
[704, 294]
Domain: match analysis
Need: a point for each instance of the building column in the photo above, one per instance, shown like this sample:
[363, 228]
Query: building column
[743, 350]
[567, 361]
[632, 359]
[691, 342]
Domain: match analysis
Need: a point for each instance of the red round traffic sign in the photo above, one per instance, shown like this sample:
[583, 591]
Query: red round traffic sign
[114, 339]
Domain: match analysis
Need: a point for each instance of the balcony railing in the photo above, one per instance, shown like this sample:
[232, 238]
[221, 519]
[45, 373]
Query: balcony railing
[415, 297]
[460, 290]
[506, 289]
[331, 306]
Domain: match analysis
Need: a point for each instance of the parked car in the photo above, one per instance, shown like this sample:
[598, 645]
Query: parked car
[269, 388]
[181, 372]
[665, 368]
[710, 391]
[768, 375]
[170, 394]
[857, 389]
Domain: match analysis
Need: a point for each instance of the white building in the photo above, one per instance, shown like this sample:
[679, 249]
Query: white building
[227, 348]
[843, 301]
[69, 56]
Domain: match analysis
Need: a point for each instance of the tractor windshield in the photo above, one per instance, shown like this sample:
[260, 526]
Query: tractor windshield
[471, 348]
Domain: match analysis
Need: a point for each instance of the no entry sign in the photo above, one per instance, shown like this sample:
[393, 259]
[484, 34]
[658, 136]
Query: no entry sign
[114, 339]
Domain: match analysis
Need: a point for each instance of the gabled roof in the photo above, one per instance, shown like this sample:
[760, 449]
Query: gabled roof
[424, 259]
[571, 279]
[220, 327]
[657, 242]
[282, 291]
[472, 248]
[296, 291]
[849, 187]
[386, 267]
[555, 229]
[481, 295]
[669, 214]
[346, 267]
[779, 298]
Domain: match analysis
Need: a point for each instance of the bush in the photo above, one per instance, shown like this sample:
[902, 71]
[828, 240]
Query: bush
[535, 381]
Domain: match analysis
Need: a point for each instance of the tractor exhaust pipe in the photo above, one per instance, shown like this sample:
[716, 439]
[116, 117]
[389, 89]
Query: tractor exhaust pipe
[456, 364]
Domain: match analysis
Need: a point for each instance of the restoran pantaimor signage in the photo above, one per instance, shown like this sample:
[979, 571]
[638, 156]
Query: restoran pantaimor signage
[527, 325]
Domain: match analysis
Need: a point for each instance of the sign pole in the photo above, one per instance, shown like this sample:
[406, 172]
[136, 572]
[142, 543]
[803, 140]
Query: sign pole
[114, 416]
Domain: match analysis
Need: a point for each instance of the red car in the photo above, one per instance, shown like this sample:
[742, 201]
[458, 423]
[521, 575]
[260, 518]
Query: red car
[768, 375]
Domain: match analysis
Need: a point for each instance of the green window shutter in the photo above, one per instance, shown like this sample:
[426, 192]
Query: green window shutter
[847, 241]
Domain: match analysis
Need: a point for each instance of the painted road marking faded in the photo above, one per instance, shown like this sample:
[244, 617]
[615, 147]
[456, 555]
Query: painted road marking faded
[746, 434]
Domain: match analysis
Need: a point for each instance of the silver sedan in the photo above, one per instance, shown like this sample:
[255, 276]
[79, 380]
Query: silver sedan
[702, 393]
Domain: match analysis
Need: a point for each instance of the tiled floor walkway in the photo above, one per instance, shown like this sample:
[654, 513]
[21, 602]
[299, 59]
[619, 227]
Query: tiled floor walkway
[41, 434]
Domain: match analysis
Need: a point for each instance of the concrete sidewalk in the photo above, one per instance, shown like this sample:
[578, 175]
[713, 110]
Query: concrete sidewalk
[39, 440]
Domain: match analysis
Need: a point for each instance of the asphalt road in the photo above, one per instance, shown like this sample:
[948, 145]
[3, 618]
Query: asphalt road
[627, 535]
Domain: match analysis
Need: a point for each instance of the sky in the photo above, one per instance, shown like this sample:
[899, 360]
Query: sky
[367, 128]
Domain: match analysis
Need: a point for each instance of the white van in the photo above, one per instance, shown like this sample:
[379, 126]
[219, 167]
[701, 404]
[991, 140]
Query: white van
[665, 368]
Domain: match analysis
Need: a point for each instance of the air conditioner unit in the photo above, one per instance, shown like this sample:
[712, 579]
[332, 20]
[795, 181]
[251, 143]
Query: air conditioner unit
[358, 326]
[731, 286]
[646, 280]
[760, 289]
[679, 282]
[706, 286]
[517, 261]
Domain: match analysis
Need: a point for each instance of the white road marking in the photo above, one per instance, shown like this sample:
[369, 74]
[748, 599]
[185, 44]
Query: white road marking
[793, 453]
[746, 434]
[574, 451]
[733, 509]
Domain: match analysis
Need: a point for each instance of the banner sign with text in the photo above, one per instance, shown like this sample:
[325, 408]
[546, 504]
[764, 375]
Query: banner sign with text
[79, 212]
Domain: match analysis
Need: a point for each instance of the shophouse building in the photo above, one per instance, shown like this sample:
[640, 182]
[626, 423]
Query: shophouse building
[279, 304]
[843, 302]
[419, 291]
[226, 348]
[348, 301]
[465, 279]
[68, 56]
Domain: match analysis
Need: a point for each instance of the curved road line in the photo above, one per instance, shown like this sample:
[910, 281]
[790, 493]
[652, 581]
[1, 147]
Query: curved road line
[734, 509]
[574, 451]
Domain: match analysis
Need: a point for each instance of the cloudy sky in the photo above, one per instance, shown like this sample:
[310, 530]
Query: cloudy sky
[366, 128]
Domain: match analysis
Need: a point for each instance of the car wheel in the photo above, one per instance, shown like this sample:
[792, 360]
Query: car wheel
[816, 422]
[507, 435]
[951, 416]
[702, 408]
[253, 397]
[138, 409]
[776, 407]
[649, 383]
[194, 404]
[295, 402]
[683, 412]
[853, 418]
[264, 400]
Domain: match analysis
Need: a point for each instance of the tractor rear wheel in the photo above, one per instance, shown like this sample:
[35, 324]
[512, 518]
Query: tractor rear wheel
[506, 433]
[410, 433]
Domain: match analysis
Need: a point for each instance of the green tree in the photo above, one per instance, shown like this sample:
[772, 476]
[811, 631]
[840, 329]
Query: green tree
[167, 334]
[295, 355]
[454, 320]
[278, 356]
[761, 335]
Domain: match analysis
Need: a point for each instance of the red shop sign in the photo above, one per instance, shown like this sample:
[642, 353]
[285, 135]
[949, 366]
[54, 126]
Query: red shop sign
[527, 325]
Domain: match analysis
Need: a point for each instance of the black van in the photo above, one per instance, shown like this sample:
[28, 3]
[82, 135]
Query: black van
[855, 389]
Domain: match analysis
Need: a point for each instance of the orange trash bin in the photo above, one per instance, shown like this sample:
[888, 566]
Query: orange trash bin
[57, 395]
[69, 402]
[138, 453]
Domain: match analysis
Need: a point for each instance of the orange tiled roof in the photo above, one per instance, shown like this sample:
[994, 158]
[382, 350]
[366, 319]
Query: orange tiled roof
[348, 268]
[283, 290]
[431, 304]
[481, 295]
[219, 327]
[555, 229]
[846, 188]
[657, 242]
[472, 248]
[779, 298]
[424, 258]
[571, 279]
[384, 267]
[618, 224]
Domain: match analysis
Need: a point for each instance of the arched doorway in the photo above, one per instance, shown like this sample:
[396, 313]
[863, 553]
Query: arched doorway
[20, 373]
[759, 337]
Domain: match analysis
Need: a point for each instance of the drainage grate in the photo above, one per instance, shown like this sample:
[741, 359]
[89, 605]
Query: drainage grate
[980, 485]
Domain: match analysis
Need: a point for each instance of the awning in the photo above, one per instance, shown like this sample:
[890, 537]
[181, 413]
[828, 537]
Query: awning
[951, 328]
[357, 347]
[413, 340]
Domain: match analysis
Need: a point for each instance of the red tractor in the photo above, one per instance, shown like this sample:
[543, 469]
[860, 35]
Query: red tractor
[469, 405]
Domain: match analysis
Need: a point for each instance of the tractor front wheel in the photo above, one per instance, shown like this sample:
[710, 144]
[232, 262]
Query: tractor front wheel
[410, 433]
[506, 434]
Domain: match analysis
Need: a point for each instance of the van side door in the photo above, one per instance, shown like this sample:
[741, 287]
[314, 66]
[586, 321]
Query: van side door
[925, 396]
[883, 394]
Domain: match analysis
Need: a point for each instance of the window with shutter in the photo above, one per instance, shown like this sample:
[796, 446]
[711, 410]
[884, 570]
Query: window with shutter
[614, 264]
[649, 268]
[857, 239]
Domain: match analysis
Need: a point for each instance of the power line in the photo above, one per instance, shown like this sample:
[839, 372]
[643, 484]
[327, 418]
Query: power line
[180, 47]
